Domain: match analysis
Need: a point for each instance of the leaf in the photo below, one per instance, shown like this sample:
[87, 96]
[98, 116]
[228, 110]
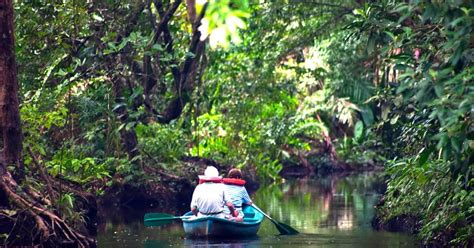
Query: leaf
[285, 154]
[404, 85]
[385, 111]
[371, 44]
[97, 17]
[398, 101]
[456, 144]
[157, 47]
[358, 12]
[443, 140]
[390, 34]
[424, 155]
[394, 120]
[130, 125]
[61, 72]
[189, 54]
[122, 45]
[401, 8]
[41, 150]
[359, 131]
[118, 106]
[367, 115]
[457, 21]
[457, 55]
[439, 89]
[121, 126]
[69, 200]
[112, 45]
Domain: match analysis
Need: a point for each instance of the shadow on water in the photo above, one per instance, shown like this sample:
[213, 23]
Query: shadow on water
[334, 211]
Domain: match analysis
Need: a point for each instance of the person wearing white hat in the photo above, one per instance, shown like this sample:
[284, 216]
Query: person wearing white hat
[209, 197]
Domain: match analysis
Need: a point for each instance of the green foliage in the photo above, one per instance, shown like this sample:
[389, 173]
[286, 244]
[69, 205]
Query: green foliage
[434, 70]
[361, 153]
[66, 202]
[37, 124]
[264, 98]
[255, 100]
[66, 206]
[267, 168]
[81, 170]
[211, 137]
[424, 96]
[164, 143]
[241, 144]
[223, 20]
[446, 201]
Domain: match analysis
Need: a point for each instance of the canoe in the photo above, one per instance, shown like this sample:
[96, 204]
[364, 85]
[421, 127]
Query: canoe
[213, 226]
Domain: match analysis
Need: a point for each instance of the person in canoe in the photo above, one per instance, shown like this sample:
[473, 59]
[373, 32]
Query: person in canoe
[235, 189]
[209, 197]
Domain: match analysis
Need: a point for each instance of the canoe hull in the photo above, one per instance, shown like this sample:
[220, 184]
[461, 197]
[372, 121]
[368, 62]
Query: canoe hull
[218, 228]
[212, 226]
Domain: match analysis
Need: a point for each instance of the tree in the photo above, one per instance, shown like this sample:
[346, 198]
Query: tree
[9, 112]
[52, 230]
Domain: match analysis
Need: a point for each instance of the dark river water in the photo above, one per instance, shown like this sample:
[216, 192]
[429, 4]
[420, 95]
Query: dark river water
[334, 211]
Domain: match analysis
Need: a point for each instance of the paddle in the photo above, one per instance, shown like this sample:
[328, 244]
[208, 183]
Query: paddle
[284, 229]
[159, 219]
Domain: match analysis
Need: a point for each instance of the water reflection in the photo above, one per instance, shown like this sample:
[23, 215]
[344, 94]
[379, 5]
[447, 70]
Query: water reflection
[329, 212]
[320, 205]
[225, 243]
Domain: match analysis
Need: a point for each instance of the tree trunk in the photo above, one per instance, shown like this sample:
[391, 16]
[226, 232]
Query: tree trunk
[191, 8]
[9, 110]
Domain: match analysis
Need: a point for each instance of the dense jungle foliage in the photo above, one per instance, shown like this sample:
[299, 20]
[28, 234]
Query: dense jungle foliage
[113, 90]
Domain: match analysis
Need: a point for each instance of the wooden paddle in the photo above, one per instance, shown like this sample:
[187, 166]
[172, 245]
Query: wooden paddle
[159, 219]
[284, 229]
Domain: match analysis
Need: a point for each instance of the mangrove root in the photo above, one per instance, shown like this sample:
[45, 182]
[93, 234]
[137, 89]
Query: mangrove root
[51, 230]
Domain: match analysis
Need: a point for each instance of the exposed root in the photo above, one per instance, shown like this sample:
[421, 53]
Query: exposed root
[44, 175]
[37, 196]
[51, 228]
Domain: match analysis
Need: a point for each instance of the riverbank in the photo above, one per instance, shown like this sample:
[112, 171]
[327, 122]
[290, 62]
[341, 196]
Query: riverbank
[428, 201]
[299, 171]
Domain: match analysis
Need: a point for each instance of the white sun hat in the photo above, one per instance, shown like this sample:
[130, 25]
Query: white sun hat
[211, 172]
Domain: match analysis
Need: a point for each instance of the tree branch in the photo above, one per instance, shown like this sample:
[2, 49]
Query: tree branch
[169, 44]
[164, 22]
[175, 107]
[162, 28]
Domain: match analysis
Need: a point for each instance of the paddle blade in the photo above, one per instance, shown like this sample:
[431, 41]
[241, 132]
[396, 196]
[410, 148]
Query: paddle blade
[159, 219]
[157, 216]
[285, 229]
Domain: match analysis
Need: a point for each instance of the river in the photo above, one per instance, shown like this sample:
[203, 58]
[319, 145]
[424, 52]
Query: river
[334, 211]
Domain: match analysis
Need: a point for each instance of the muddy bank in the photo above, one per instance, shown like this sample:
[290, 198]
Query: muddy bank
[296, 171]
[413, 224]
[402, 223]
